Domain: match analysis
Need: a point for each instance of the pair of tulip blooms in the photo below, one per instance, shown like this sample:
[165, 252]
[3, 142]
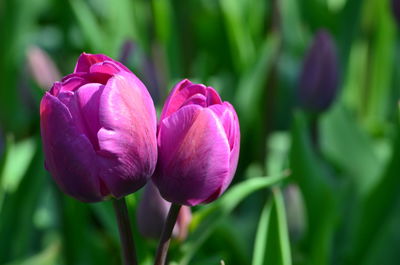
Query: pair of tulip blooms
[101, 138]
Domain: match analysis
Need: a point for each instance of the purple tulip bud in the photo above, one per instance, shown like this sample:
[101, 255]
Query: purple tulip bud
[98, 128]
[153, 211]
[198, 142]
[319, 77]
[42, 67]
[396, 10]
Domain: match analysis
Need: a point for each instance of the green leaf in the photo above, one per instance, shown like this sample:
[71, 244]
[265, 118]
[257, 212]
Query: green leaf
[381, 67]
[17, 160]
[49, 256]
[233, 197]
[318, 192]
[252, 83]
[347, 146]
[90, 27]
[18, 209]
[120, 13]
[284, 242]
[205, 220]
[260, 244]
[272, 238]
[376, 208]
[240, 39]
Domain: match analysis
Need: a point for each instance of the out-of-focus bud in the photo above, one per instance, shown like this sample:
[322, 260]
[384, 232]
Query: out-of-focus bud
[98, 129]
[42, 68]
[396, 10]
[152, 214]
[319, 78]
[198, 144]
[126, 51]
[295, 211]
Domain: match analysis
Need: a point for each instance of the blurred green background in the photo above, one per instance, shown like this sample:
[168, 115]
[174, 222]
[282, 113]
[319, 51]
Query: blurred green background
[339, 203]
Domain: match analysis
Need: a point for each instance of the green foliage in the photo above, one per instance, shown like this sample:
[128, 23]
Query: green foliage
[344, 162]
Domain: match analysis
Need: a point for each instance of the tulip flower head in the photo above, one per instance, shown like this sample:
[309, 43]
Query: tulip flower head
[319, 78]
[98, 129]
[198, 143]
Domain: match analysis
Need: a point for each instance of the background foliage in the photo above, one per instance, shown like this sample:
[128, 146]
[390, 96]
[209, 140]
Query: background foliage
[339, 204]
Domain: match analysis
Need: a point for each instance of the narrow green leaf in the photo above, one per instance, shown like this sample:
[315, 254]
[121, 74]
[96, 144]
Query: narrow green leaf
[260, 244]
[240, 39]
[205, 220]
[120, 13]
[317, 189]
[234, 196]
[19, 156]
[376, 208]
[284, 241]
[90, 27]
[346, 145]
[251, 85]
[19, 206]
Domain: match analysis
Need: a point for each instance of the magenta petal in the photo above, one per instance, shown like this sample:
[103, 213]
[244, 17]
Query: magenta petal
[70, 157]
[89, 99]
[128, 120]
[196, 99]
[73, 83]
[107, 67]
[196, 140]
[179, 94]
[86, 60]
[212, 97]
[228, 118]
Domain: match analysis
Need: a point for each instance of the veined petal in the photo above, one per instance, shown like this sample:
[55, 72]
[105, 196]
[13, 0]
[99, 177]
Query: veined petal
[70, 157]
[200, 163]
[128, 121]
[89, 98]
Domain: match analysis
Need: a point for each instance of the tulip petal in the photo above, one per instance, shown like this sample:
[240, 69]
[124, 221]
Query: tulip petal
[86, 60]
[106, 67]
[212, 97]
[128, 121]
[227, 116]
[179, 94]
[200, 163]
[89, 98]
[70, 157]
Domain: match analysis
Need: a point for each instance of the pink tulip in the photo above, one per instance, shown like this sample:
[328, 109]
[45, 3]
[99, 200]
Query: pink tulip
[198, 143]
[98, 128]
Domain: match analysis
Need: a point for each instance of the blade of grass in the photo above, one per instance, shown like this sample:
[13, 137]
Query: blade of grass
[376, 209]
[205, 220]
[284, 241]
[260, 243]
[90, 27]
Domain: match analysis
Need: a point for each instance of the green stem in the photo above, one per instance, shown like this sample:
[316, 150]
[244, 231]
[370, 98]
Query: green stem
[162, 250]
[125, 232]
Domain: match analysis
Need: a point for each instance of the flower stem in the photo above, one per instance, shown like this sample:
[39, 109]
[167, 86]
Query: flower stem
[125, 232]
[166, 234]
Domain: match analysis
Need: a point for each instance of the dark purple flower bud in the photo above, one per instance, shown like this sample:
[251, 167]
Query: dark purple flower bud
[396, 10]
[152, 214]
[319, 76]
[126, 51]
